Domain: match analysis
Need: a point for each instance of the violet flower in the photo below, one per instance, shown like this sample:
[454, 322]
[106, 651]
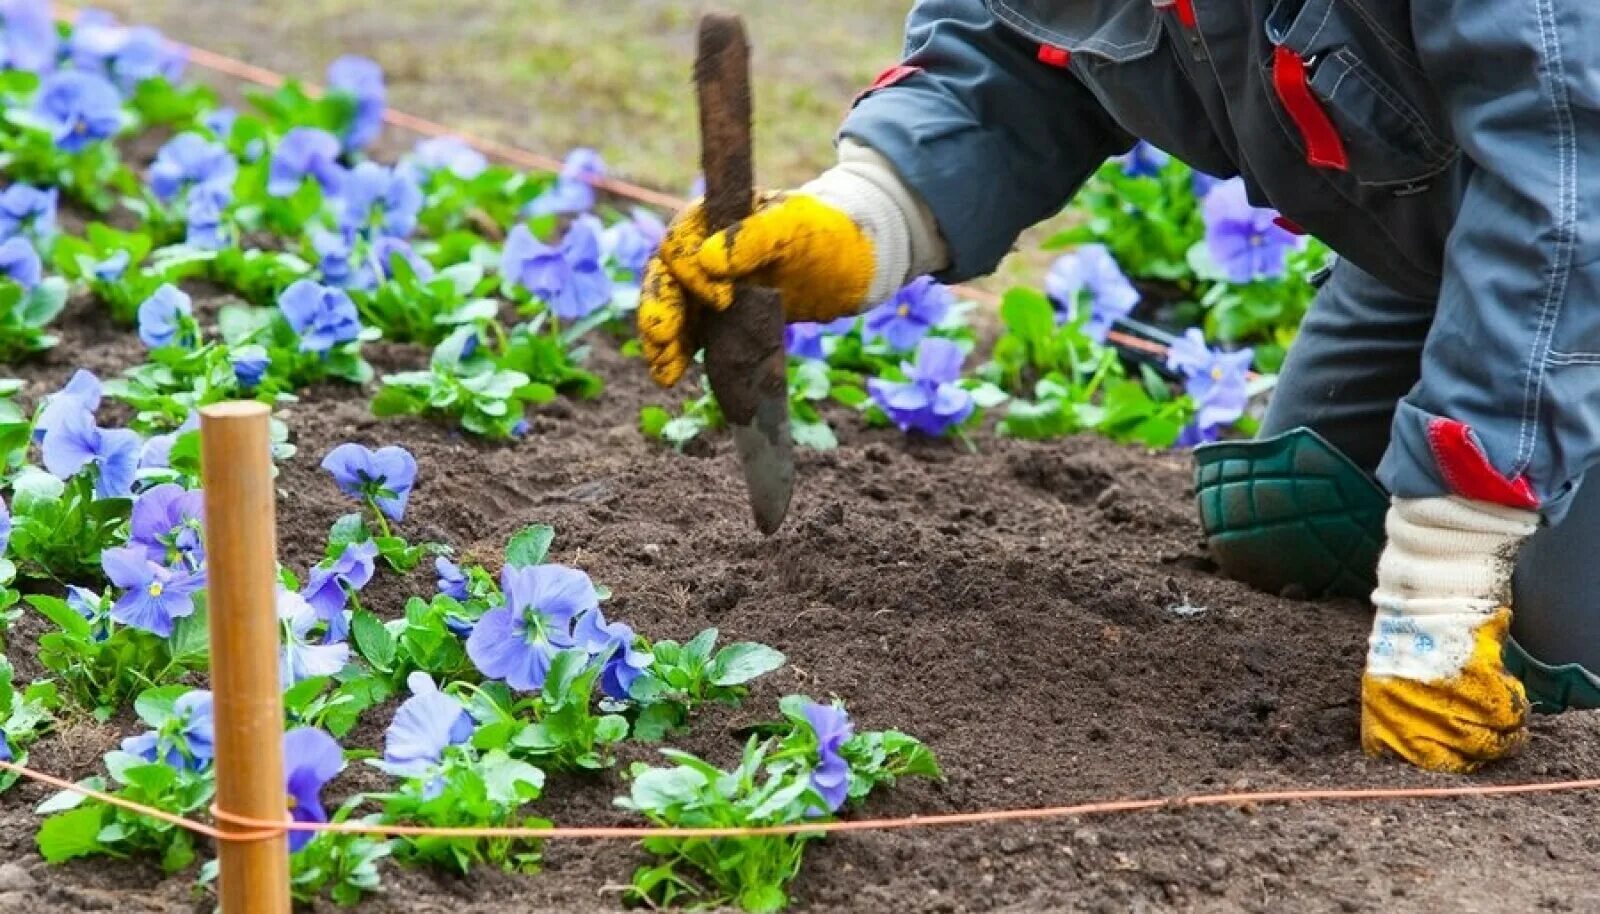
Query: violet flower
[28, 39]
[331, 584]
[452, 580]
[930, 401]
[20, 263]
[803, 340]
[568, 279]
[573, 191]
[1143, 161]
[154, 596]
[300, 659]
[205, 214]
[614, 645]
[426, 724]
[312, 759]
[447, 153]
[81, 392]
[27, 210]
[166, 318]
[157, 451]
[517, 640]
[378, 199]
[250, 364]
[195, 746]
[112, 268]
[362, 80]
[304, 152]
[74, 443]
[1089, 274]
[322, 316]
[831, 777]
[1202, 184]
[1244, 241]
[384, 477]
[168, 524]
[336, 259]
[630, 243]
[1217, 380]
[385, 249]
[79, 109]
[907, 316]
[188, 160]
[5, 527]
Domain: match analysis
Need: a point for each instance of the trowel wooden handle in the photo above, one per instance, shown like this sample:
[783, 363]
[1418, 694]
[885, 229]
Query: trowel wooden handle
[722, 80]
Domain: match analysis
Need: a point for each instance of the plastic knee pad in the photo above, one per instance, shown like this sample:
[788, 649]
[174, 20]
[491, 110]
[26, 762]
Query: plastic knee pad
[1552, 688]
[1291, 514]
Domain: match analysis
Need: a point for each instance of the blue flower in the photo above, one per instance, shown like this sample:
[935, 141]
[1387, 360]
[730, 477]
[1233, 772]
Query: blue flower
[332, 583]
[614, 645]
[385, 476]
[630, 243]
[337, 261]
[452, 581]
[74, 442]
[930, 401]
[157, 451]
[112, 268]
[219, 121]
[5, 527]
[426, 724]
[1090, 275]
[27, 35]
[909, 314]
[1143, 161]
[166, 318]
[385, 249]
[81, 392]
[382, 199]
[304, 152]
[27, 210]
[167, 524]
[322, 316]
[803, 340]
[447, 152]
[362, 80]
[1244, 241]
[1202, 183]
[1217, 380]
[573, 191]
[250, 364]
[831, 776]
[187, 160]
[301, 659]
[517, 641]
[79, 109]
[568, 279]
[153, 594]
[20, 263]
[312, 759]
[189, 741]
[207, 208]
[127, 55]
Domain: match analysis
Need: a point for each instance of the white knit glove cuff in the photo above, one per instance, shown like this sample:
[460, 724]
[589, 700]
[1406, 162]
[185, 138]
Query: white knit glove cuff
[905, 236]
[1446, 566]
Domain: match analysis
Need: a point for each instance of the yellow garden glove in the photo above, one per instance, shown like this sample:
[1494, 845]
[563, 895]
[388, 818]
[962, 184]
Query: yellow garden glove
[1436, 692]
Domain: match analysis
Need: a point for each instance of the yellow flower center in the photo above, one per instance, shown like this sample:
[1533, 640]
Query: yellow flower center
[1256, 241]
[155, 588]
[903, 310]
[1216, 374]
[293, 803]
[80, 128]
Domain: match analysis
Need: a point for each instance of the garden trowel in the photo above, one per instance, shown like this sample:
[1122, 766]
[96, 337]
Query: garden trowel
[745, 359]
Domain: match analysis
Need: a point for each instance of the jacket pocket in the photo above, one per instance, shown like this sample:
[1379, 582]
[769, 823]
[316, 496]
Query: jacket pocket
[1115, 31]
[1368, 85]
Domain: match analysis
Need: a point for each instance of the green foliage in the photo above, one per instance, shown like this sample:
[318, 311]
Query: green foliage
[409, 309]
[335, 704]
[684, 677]
[24, 315]
[60, 528]
[102, 665]
[25, 715]
[1148, 223]
[343, 867]
[175, 382]
[556, 727]
[291, 367]
[470, 388]
[468, 788]
[82, 827]
[87, 260]
[93, 176]
[420, 641]
[488, 204]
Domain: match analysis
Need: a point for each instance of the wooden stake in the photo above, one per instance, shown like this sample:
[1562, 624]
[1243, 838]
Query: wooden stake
[241, 561]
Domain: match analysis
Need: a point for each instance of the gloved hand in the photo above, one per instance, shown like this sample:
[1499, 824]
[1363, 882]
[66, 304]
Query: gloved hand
[840, 243]
[817, 257]
[1436, 692]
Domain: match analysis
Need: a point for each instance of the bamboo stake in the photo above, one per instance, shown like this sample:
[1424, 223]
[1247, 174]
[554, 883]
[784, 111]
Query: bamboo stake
[241, 560]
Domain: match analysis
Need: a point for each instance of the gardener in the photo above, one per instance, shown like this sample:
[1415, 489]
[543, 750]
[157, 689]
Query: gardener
[1448, 150]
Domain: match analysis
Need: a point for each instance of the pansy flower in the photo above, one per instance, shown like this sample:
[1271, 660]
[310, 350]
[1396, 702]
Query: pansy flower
[568, 278]
[312, 758]
[166, 318]
[517, 640]
[930, 401]
[168, 523]
[1089, 275]
[613, 644]
[304, 152]
[909, 314]
[153, 595]
[362, 80]
[831, 777]
[384, 476]
[331, 583]
[426, 724]
[1245, 241]
[75, 442]
[79, 109]
[321, 316]
[301, 658]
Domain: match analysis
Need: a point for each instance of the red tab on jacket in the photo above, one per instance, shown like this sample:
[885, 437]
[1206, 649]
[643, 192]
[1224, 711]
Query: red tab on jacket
[1185, 10]
[1467, 470]
[1054, 56]
[888, 78]
[1324, 148]
[1287, 224]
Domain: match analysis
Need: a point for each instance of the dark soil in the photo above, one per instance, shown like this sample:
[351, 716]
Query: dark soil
[1043, 615]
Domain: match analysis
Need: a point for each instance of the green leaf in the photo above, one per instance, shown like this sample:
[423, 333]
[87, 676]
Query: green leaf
[1028, 314]
[697, 652]
[661, 789]
[154, 706]
[652, 419]
[741, 662]
[71, 834]
[373, 640]
[530, 546]
[65, 617]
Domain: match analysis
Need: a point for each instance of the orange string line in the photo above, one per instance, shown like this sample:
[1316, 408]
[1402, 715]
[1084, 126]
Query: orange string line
[264, 829]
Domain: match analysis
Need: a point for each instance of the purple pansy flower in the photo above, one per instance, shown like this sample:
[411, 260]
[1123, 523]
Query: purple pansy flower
[385, 476]
[612, 644]
[573, 191]
[1143, 161]
[195, 746]
[831, 777]
[75, 442]
[331, 583]
[930, 401]
[165, 318]
[803, 340]
[112, 268]
[27, 35]
[188, 160]
[385, 249]
[569, 278]
[153, 594]
[909, 314]
[157, 451]
[168, 523]
[1202, 183]
[312, 759]
[250, 364]
[219, 121]
[1244, 241]
[1217, 380]
[78, 108]
[362, 79]
[426, 724]
[336, 259]
[517, 641]
[384, 200]
[5, 528]
[128, 56]
[322, 316]
[20, 263]
[631, 242]
[81, 392]
[27, 210]
[304, 152]
[205, 212]
[1091, 272]
[447, 152]
[452, 580]
[300, 659]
